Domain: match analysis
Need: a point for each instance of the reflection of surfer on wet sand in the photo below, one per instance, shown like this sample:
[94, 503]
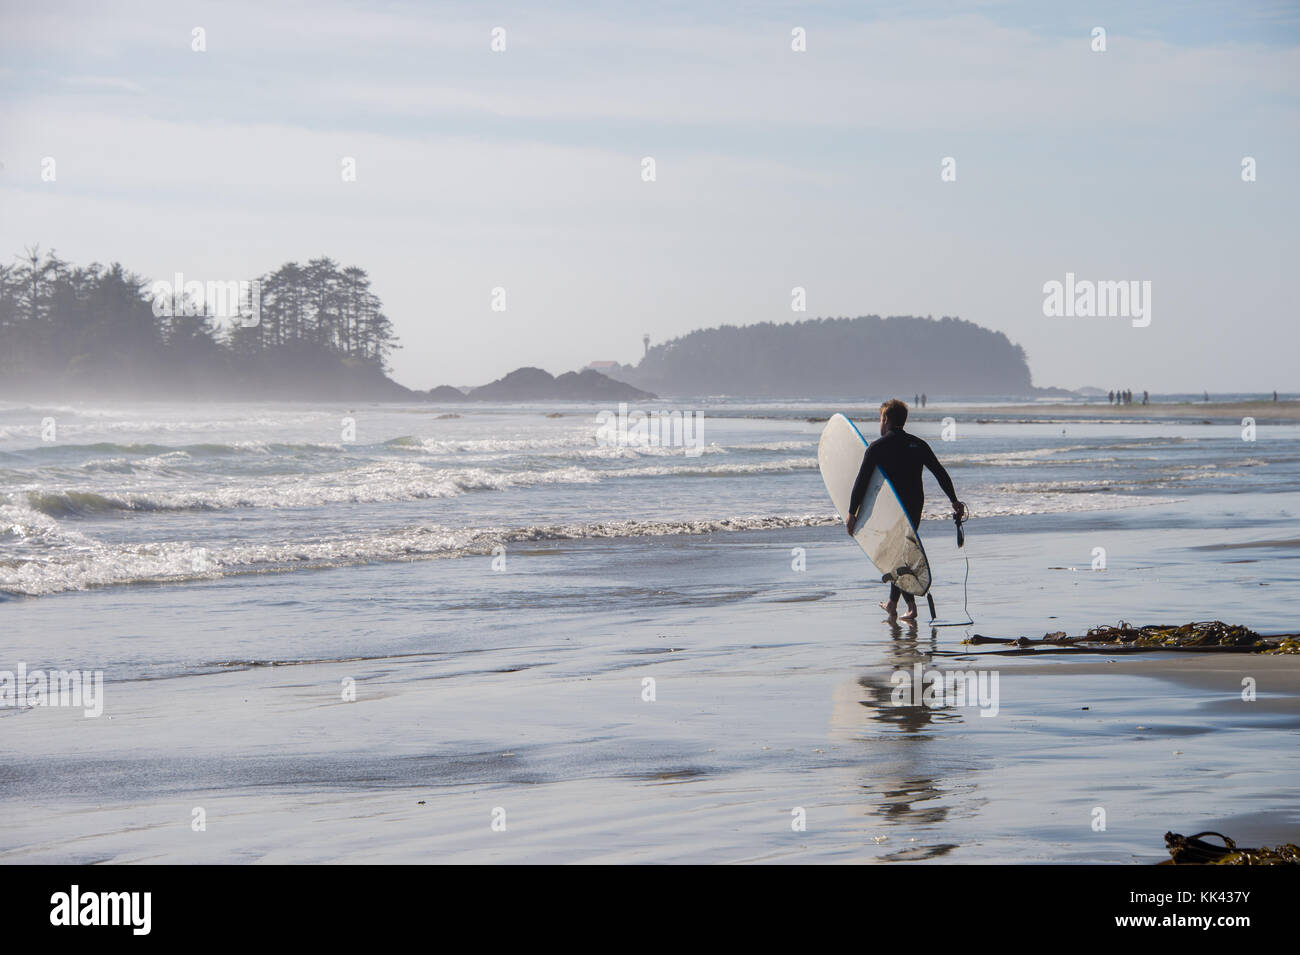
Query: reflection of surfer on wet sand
[900, 456]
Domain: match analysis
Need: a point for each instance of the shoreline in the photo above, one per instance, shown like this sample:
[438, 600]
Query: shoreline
[961, 789]
[1186, 412]
[483, 683]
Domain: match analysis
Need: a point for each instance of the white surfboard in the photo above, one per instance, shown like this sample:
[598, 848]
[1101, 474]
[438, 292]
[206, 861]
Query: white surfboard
[884, 532]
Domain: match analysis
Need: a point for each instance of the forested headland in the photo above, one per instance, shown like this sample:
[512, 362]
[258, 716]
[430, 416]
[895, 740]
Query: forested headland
[318, 331]
[69, 331]
[836, 357]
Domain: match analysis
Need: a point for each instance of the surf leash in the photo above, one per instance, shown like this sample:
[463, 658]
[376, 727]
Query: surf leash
[965, 589]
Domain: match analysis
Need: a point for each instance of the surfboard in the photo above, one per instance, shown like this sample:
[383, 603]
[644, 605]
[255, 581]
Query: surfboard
[884, 531]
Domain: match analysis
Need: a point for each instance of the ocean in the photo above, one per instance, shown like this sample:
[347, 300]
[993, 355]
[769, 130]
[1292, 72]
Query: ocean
[499, 581]
[173, 494]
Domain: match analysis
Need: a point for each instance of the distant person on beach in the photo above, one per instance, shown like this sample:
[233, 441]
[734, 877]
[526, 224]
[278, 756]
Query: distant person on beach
[900, 456]
[1110, 397]
[1275, 397]
[1207, 396]
[1146, 396]
[922, 404]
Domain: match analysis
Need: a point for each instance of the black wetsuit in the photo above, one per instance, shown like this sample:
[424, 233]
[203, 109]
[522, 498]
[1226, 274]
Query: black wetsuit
[901, 456]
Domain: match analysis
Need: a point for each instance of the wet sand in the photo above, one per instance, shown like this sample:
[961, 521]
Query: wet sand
[711, 772]
[769, 700]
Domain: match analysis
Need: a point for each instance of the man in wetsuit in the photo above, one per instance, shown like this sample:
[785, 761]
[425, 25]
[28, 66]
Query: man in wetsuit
[900, 456]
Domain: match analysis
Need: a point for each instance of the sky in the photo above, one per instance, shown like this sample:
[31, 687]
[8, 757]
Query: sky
[774, 168]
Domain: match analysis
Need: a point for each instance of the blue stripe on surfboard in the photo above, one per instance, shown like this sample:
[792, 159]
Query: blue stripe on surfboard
[915, 529]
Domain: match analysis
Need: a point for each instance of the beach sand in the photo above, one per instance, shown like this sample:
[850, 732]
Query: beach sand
[769, 699]
[1217, 412]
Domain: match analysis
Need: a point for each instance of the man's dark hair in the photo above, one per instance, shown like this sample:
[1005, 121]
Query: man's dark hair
[895, 412]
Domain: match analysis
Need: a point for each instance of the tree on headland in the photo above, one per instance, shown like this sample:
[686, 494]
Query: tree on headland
[95, 329]
[868, 355]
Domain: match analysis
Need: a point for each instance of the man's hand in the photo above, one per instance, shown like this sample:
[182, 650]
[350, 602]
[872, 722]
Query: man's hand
[851, 522]
[958, 511]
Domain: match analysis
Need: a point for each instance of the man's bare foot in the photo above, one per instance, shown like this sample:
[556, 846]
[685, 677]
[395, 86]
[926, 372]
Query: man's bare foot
[892, 609]
[910, 614]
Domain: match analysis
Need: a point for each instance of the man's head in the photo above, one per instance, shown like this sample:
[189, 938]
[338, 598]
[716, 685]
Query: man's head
[893, 415]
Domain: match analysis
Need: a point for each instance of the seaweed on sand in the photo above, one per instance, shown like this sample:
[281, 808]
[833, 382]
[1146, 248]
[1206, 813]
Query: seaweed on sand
[1202, 635]
[1209, 633]
[1193, 850]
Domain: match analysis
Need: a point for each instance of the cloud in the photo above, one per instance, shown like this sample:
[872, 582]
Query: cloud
[775, 168]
